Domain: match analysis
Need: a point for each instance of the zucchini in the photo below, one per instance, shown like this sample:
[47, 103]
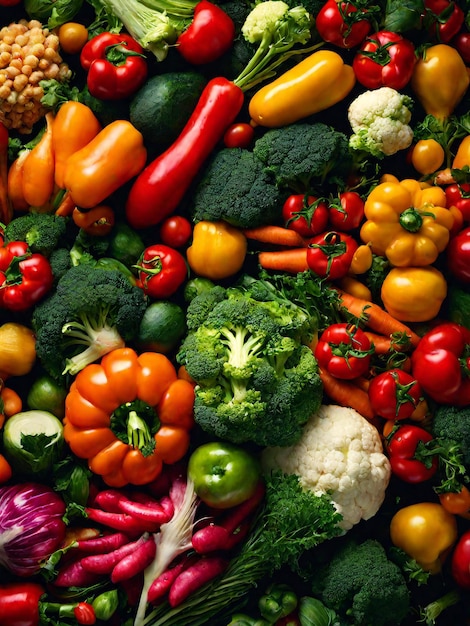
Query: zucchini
[163, 105]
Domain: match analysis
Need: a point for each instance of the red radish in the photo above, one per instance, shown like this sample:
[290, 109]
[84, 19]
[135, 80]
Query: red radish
[135, 562]
[74, 575]
[161, 585]
[194, 577]
[103, 543]
[104, 563]
[145, 512]
[121, 521]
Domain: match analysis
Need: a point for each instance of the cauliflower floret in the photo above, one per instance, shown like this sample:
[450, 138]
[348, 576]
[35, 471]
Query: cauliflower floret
[339, 453]
[263, 18]
[380, 120]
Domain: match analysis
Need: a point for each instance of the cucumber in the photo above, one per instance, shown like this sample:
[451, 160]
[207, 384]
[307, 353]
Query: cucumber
[163, 105]
[162, 327]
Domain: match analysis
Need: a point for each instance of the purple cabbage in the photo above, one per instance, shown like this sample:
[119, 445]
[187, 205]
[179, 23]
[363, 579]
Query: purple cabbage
[31, 526]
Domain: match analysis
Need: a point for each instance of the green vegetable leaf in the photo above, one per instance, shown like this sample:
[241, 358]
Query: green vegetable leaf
[403, 15]
[36, 446]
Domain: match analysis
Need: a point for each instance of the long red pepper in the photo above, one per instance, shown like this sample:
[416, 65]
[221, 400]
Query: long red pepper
[160, 187]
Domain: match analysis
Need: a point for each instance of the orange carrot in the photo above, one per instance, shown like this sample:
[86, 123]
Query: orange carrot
[362, 382]
[293, 260]
[347, 393]
[378, 320]
[66, 205]
[276, 235]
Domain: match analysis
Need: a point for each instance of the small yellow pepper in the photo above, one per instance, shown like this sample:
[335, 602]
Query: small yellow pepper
[318, 82]
[218, 250]
[414, 294]
[426, 532]
[462, 156]
[114, 156]
[406, 223]
[440, 80]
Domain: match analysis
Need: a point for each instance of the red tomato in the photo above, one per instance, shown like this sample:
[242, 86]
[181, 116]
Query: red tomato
[461, 561]
[458, 256]
[307, 215]
[329, 255]
[176, 231]
[458, 195]
[342, 24]
[406, 461]
[386, 59]
[161, 271]
[239, 135]
[394, 394]
[344, 350]
[462, 44]
[348, 212]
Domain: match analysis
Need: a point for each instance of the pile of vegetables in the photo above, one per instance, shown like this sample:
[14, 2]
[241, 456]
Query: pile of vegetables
[234, 312]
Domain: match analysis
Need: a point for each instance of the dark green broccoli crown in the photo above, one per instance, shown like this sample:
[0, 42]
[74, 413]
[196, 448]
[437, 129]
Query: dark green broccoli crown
[256, 381]
[83, 294]
[60, 262]
[362, 584]
[452, 423]
[303, 155]
[235, 188]
[42, 232]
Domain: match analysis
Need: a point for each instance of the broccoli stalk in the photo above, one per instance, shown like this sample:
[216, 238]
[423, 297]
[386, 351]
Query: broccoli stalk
[241, 347]
[276, 29]
[153, 24]
[96, 334]
[136, 423]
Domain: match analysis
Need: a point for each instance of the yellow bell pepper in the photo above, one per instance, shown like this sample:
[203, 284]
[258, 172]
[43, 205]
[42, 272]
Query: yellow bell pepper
[218, 250]
[425, 531]
[414, 294]
[316, 83]
[406, 223]
[440, 80]
[114, 156]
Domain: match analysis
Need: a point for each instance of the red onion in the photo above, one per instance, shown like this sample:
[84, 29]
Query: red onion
[31, 526]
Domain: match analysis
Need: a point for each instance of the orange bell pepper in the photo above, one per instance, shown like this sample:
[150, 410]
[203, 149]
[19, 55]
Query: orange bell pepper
[128, 415]
[107, 162]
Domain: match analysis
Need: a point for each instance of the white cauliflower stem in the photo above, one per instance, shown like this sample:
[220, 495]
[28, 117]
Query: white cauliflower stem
[339, 453]
[379, 119]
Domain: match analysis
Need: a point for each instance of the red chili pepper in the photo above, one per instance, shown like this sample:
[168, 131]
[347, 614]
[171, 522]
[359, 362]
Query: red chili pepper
[116, 65]
[160, 187]
[161, 271]
[443, 18]
[208, 37]
[386, 59]
[25, 277]
[330, 254]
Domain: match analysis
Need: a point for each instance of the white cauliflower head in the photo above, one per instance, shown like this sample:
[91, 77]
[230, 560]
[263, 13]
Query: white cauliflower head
[380, 120]
[339, 453]
[262, 18]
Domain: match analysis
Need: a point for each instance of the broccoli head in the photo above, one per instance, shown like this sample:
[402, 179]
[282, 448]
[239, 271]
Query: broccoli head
[452, 424]
[363, 585]
[43, 232]
[235, 188]
[256, 380]
[302, 155]
[91, 312]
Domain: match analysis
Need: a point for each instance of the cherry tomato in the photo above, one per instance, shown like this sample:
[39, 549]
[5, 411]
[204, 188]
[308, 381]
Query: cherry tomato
[344, 350]
[72, 37]
[176, 231]
[307, 215]
[394, 394]
[456, 502]
[239, 135]
[427, 156]
[348, 213]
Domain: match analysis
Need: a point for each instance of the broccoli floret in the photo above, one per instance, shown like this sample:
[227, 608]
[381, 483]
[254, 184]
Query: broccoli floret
[452, 424]
[91, 312]
[302, 155]
[256, 381]
[234, 187]
[363, 585]
[60, 262]
[41, 231]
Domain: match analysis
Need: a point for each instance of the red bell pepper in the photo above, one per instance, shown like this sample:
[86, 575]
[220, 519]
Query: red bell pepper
[460, 565]
[208, 37]
[161, 271]
[443, 18]
[441, 363]
[21, 605]
[386, 59]
[160, 187]
[25, 277]
[116, 65]
[344, 351]
[458, 256]
[329, 255]
[458, 195]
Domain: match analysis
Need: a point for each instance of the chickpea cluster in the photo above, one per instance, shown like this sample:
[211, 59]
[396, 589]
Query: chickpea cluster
[29, 54]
